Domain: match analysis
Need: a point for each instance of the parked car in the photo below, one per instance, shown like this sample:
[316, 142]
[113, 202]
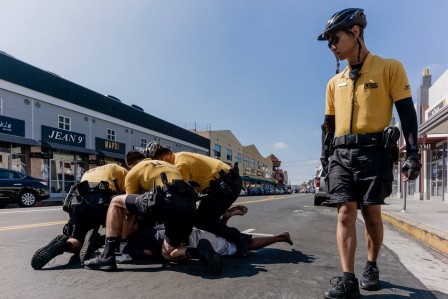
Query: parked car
[320, 188]
[24, 190]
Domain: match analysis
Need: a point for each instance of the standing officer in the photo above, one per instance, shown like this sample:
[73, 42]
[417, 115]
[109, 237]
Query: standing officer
[359, 103]
[87, 204]
[218, 182]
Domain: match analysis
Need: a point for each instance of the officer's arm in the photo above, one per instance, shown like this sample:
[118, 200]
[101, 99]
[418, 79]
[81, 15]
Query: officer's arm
[327, 127]
[408, 118]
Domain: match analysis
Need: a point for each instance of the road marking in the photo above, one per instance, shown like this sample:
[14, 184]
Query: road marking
[29, 211]
[250, 232]
[261, 200]
[4, 228]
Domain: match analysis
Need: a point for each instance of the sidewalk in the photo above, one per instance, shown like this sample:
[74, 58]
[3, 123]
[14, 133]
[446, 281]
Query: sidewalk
[425, 220]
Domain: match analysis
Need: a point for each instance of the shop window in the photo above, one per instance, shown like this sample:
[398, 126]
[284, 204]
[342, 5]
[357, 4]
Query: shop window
[111, 135]
[144, 142]
[246, 161]
[217, 151]
[229, 154]
[64, 123]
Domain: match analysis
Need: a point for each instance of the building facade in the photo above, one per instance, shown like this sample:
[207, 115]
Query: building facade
[432, 115]
[55, 129]
[255, 170]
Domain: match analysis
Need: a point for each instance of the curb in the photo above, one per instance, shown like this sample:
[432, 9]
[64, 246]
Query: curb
[434, 238]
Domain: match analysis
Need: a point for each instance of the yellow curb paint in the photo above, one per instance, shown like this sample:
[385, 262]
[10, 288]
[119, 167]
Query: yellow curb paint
[432, 237]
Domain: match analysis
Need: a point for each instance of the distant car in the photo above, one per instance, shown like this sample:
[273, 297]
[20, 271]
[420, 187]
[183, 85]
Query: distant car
[320, 188]
[24, 190]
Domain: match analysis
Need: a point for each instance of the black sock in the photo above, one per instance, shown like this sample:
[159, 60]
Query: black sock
[371, 264]
[110, 245]
[348, 276]
[192, 253]
[67, 246]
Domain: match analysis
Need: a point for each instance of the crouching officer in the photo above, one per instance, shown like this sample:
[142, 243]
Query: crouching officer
[166, 199]
[219, 184]
[87, 204]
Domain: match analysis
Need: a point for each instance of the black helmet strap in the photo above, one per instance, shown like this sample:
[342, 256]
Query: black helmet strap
[359, 43]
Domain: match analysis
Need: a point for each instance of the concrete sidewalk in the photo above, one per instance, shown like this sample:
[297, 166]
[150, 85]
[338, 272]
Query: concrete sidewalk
[425, 220]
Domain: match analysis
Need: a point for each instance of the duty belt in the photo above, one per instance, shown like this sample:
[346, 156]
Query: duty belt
[369, 139]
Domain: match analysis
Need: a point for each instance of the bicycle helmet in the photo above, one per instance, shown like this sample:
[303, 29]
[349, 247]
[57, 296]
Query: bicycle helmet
[150, 149]
[344, 19]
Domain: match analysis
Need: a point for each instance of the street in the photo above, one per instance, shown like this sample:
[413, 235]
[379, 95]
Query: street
[303, 270]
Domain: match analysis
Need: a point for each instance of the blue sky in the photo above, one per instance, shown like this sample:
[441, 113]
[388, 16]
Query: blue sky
[253, 67]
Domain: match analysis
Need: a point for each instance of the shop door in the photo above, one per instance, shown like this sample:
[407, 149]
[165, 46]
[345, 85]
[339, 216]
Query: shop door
[436, 182]
[62, 176]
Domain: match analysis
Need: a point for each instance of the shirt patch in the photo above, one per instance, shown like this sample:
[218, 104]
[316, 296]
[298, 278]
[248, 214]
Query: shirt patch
[370, 85]
[342, 84]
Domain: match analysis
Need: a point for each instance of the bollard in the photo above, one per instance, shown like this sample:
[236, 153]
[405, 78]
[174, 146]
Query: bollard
[405, 195]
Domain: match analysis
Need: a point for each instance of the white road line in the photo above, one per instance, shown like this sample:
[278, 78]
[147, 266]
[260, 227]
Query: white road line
[250, 232]
[29, 211]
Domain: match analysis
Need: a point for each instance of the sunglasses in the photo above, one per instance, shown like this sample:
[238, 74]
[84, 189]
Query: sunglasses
[333, 41]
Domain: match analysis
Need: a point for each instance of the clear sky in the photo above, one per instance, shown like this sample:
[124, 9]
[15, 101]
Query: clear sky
[254, 67]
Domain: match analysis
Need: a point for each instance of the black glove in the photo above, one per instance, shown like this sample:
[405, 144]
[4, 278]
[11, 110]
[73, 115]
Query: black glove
[412, 166]
[325, 161]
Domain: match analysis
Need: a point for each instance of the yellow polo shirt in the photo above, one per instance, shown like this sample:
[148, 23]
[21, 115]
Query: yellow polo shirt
[381, 83]
[146, 174]
[199, 168]
[107, 173]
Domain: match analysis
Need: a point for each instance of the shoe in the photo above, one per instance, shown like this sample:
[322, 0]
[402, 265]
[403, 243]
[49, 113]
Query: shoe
[370, 279]
[100, 263]
[47, 253]
[92, 242]
[209, 256]
[122, 258]
[343, 289]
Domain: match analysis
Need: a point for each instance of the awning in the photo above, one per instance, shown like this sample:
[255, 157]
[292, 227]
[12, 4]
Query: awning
[250, 179]
[112, 155]
[71, 148]
[19, 140]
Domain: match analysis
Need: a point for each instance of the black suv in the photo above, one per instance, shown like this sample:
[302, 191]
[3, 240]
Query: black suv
[24, 190]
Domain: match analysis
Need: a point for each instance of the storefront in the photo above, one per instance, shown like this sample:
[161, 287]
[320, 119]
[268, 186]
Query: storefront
[66, 158]
[110, 152]
[14, 147]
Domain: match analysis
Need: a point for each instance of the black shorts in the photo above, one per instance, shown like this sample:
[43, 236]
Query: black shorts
[177, 214]
[144, 238]
[84, 218]
[363, 175]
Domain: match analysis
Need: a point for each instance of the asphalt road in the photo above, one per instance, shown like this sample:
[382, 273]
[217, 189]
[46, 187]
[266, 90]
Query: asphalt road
[303, 270]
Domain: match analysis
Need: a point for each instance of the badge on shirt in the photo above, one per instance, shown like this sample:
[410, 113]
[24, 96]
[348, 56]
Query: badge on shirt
[370, 85]
[342, 84]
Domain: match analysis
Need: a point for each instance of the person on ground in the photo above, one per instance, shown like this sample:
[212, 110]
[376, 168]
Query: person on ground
[157, 193]
[146, 243]
[217, 182]
[360, 158]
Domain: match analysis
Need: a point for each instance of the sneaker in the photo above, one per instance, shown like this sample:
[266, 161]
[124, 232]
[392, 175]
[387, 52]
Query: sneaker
[101, 263]
[123, 258]
[47, 253]
[343, 289]
[370, 279]
[89, 246]
[209, 256]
